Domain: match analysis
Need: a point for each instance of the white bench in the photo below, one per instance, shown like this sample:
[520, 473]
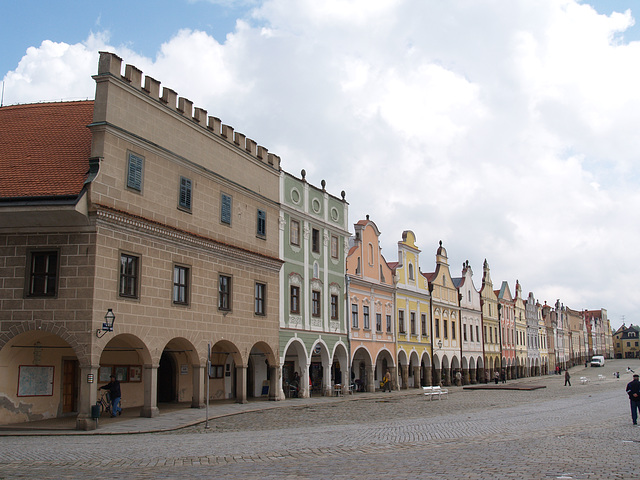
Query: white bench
[435, 391]
[584, 380]
[601, 378]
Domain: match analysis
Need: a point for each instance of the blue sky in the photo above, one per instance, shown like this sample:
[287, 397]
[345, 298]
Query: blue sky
[508, 130]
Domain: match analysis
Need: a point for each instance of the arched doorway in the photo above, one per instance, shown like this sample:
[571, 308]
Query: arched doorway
[167, 378]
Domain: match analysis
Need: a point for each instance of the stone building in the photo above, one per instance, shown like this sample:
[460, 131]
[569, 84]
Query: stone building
[534, 359]
[445, 312]
[490, 323]
[371, 310]
[520, 325]
[314, 339]
[506, 313]
[138, 206]
[471, 326]
[626, 342]
[413, 313]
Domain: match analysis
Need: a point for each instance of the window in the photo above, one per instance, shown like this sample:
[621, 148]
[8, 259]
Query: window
[401, 321]
[477, 334]
[295, 299]
[134, 172]
[129, 266]
[180, 285]
[354, 315]
[423, 324]
[410, 272]
[260, 298]
[43, 274]
[334, 246]
[437, 328]
[224, 292]
[485, 331]
[334, 307]
[388, 323]
[445, 328]
[261, 228]
[294, 232]
[315, 240]
[412, 320]
[315, 303]
[378, 322]
[491, 335]
[464, 332]
[365, 317]
[225, 209]
[184, 198]
[371, 254]
[470, 332]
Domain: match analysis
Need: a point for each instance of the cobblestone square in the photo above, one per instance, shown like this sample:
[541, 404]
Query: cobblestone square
[556, 432]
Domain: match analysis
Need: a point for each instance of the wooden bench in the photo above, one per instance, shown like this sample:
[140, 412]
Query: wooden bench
[435, 391]
[584, 380]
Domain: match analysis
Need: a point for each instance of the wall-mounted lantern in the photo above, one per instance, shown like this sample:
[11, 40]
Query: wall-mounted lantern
[107, 326]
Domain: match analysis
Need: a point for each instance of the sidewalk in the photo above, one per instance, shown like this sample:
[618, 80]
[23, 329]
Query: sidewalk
[176, 416]
[173, 416]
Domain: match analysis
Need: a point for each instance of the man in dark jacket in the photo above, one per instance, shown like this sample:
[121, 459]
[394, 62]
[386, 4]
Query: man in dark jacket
[114, 392]
[633, 390]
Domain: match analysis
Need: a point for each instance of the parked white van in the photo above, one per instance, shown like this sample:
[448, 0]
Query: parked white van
[597, 361]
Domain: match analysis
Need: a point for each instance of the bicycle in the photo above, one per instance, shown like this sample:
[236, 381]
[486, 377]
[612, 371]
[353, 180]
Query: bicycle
[105, 402]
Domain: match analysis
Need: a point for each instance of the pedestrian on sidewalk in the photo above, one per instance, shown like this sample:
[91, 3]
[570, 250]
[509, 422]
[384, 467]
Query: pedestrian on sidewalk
[114, 393]
[458, 378]
[633, 390]
[496, 376]
[567, 378]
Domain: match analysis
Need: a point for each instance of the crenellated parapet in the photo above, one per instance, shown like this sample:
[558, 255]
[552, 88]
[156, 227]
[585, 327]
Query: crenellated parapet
[110, 64]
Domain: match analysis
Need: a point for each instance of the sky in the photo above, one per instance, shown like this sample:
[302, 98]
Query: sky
[508, 129]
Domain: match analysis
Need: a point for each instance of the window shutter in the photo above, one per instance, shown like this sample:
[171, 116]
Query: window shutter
[185, 193]
[225, 211]
[134, 177]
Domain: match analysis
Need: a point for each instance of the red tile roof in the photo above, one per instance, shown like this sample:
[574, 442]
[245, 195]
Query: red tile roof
[44, 149]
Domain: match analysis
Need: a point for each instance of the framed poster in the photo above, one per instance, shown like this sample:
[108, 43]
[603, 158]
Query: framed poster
[35, 381]
[135, 373]
[104, 373]
[122, 373]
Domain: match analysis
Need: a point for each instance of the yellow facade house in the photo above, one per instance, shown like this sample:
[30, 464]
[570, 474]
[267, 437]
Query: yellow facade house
[412, 305]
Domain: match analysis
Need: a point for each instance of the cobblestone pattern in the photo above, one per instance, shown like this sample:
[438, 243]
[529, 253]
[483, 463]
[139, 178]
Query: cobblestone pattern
[579, 432]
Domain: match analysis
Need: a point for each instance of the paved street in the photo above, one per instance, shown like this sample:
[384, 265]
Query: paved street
[578, 432]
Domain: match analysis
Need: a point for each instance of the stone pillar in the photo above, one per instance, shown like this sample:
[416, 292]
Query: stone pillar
[241, 384]
[305, 390]
[275, 384]
[447, 377]
[87, 398]
[466, 376]
[404, 371]
[393, 373]
[416, 377]
[437, 376]
[150, 379]
[197, 399]
[370, 380]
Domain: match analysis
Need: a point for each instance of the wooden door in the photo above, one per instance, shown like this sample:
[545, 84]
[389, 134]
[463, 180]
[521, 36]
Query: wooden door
[69, 386]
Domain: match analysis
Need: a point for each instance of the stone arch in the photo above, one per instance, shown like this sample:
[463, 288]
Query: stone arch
[385, 361]
[44, 354]
[294, 360]
[223, 381]
[403, 369]
[425, 368]
[79, 347]
[262, 372]
[340, 366]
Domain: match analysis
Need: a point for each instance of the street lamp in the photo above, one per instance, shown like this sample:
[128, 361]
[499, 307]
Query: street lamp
[107, 326]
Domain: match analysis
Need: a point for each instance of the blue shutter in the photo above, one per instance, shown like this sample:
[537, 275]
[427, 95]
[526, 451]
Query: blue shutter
[225, 210]
[262, 223]
[134, 175]
[185, 193]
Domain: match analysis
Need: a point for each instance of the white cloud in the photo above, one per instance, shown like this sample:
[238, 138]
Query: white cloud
[506, 129]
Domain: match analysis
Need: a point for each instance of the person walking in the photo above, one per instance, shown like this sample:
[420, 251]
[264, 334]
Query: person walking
[496, 376]
[114, 393]
[386, 382]
[567, 378]
[633, 390]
